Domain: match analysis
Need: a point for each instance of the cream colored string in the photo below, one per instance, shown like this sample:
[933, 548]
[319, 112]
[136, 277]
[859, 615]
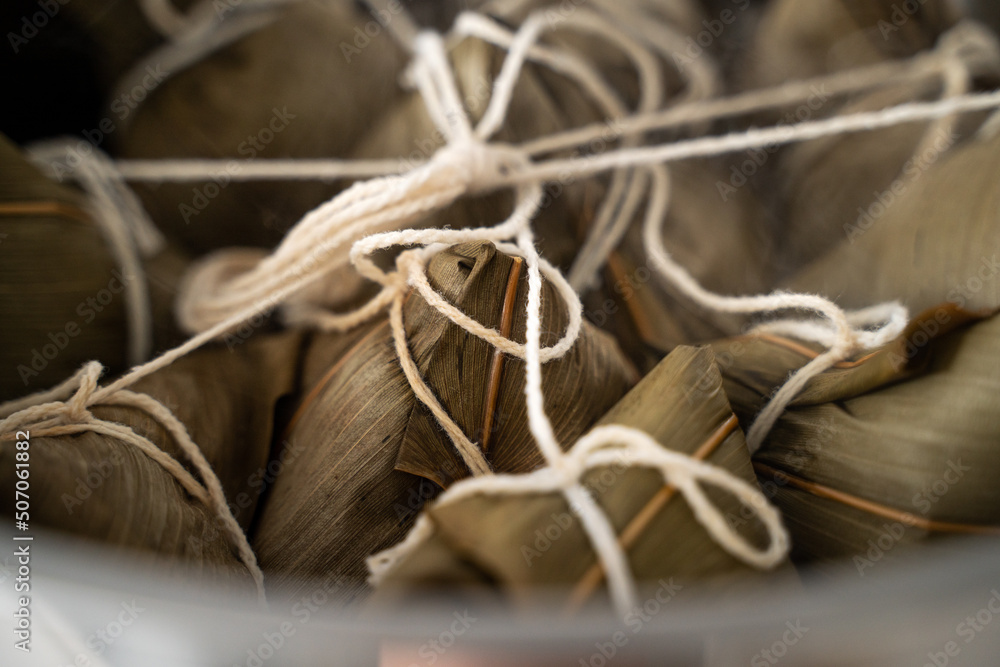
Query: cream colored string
[757, 138]
[841, 336]
[957, 81]
[963, 48]
[625, 192]
[975, 45]
[331, 248]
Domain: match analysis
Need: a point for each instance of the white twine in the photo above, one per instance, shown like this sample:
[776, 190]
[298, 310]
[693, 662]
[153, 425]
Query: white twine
[232, 287]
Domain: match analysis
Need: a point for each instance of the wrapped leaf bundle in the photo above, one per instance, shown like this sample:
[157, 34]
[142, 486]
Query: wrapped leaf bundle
[121, 34]
[519, 547]
[801, 40]
[835, 190]
[936, 243]
[542, 103]
[60, 284]
[372, 454]
[887, 449]
[94, 484]
[852, 430]
[254, 99]
[828, 184]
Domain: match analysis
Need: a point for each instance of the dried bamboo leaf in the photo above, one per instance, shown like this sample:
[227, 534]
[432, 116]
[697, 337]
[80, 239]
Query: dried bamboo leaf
[891, 449]
[797, 40]
[97, 486]
[255, 99]
[348, 494]
[527, 544]
[120, 35]
[61, 286]
[828, 182]
[826, 186]
[899, 31]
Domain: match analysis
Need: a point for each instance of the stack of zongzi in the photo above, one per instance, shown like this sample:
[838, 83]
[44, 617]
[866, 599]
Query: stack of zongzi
[329, 449]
